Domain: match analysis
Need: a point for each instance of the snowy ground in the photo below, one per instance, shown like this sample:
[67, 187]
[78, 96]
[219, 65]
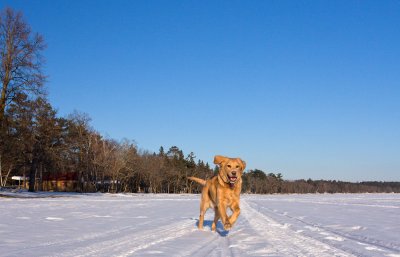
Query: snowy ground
[165, 225]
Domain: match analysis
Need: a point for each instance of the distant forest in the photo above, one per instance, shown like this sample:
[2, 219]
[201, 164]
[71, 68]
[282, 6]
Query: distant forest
[67, 154]
[256, 181]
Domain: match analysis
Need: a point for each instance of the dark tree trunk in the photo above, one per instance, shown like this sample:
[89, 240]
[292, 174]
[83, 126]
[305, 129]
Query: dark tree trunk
[32, 175]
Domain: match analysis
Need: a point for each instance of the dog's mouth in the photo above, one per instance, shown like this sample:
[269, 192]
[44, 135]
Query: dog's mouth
[232, 179]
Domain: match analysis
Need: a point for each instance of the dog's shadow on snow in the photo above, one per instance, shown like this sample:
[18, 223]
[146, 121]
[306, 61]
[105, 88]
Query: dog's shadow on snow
[220, 228]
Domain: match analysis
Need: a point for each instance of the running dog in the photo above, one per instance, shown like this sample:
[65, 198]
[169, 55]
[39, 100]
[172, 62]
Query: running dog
[222, 191]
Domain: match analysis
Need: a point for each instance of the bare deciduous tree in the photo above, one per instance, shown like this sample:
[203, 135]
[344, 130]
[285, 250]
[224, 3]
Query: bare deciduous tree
[21, 60]
[20, 63]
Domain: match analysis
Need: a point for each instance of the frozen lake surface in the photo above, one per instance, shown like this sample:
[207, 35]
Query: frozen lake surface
[56, 224]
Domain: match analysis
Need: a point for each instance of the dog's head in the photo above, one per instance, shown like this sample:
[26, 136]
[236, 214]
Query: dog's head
[230, 169]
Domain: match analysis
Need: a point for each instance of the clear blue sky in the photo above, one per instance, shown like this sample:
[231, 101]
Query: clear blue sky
[310, 89]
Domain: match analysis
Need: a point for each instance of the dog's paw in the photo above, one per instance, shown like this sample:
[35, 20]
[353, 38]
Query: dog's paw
[227, 226]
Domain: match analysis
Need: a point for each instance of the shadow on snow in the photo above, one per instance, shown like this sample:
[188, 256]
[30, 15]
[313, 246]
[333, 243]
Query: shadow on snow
[220, 228]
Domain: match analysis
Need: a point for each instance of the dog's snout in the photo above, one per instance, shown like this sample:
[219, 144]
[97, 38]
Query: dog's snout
[234, 173]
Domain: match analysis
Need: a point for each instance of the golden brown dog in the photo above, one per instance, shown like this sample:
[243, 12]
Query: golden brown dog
[222, 191]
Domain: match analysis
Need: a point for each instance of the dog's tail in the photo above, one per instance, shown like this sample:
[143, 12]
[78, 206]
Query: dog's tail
[198, 180]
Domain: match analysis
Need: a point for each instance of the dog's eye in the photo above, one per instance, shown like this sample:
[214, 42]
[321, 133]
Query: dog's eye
[229, 166]
[237, 166]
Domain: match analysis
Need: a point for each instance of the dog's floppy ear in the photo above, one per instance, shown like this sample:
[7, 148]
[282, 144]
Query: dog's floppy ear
[218, 159]
[243, 163]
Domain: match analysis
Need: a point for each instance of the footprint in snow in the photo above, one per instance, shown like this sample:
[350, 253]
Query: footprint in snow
[54, 218]
[358, 228]
[373, 248]
[102, 216]
[335, 238]
[154, 252]
[23, 218]
[312, 228]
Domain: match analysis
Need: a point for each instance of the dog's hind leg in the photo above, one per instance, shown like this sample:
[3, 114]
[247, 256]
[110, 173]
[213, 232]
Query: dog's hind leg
[203, 209]
[201, 219]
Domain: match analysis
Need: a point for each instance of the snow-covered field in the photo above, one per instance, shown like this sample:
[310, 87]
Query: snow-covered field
[165, 225]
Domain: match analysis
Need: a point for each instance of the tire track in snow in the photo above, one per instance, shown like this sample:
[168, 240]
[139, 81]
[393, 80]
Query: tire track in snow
[82, 239]
[162, 234]
[214, 245]
[127, 243]
[198, 243]
[331, 234]
[281, 241]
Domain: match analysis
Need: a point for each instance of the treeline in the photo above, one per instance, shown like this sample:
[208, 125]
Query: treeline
[49, 149]
[258, 182]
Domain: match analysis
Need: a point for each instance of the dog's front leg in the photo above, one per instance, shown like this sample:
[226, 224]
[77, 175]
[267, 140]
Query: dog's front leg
[236, 211]
[216, 218]
[224, 216]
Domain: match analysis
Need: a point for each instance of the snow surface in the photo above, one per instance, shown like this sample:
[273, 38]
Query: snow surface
[51, 224]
